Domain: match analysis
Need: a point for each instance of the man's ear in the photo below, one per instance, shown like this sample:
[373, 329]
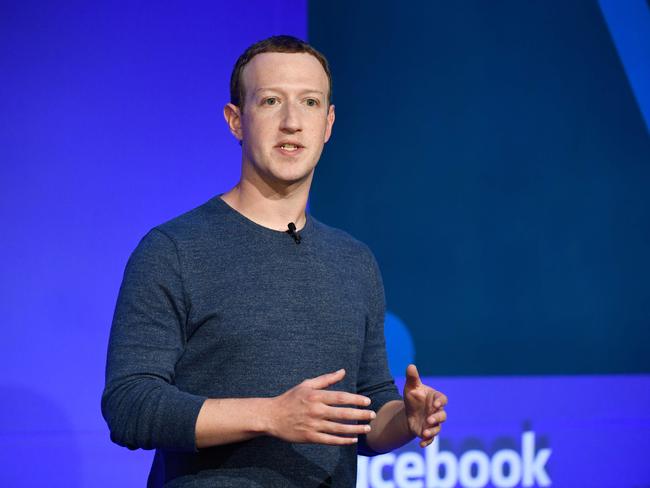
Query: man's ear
[330, 122]
[232, 114]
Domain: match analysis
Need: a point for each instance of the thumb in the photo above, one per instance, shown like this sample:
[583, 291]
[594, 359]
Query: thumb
[412, 377]
[325, 380]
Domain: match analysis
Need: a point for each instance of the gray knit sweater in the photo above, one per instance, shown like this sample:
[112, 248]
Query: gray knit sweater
[213, 305]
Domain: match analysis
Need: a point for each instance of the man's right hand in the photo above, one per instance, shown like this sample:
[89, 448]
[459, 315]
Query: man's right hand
[309, 413]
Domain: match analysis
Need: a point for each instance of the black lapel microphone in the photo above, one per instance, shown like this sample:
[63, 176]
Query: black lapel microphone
[292, 232]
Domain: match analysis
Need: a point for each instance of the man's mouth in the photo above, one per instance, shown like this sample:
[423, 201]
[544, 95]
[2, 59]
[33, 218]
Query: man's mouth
[290, 147]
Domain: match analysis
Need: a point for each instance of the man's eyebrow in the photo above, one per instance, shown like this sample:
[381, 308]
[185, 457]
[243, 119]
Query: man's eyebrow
[306, 90]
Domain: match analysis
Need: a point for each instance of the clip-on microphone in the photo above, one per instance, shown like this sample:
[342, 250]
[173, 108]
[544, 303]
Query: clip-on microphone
[292, 232]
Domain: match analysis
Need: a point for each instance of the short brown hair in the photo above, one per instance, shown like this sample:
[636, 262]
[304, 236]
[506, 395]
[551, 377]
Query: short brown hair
[274, 44]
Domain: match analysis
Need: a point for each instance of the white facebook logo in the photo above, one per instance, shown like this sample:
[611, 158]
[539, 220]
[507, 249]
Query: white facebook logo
[473, 469]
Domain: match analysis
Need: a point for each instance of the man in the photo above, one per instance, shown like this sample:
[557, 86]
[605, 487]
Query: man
[247, 351]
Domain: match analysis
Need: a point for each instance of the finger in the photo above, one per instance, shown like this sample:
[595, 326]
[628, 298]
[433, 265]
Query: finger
[441, 400]
[412, 376]
[332, 440]
[325, 380]
[426, 443]
[329, 397]
[342, 413]
[338, 428]
[437, 417]
[431, 432]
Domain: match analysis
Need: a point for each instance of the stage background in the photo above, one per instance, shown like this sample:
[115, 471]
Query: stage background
[494, 156]
[495, 159]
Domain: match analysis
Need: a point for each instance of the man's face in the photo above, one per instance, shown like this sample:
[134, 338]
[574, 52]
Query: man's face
[285, 120]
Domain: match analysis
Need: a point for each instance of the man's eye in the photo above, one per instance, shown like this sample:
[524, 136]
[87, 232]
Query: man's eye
[270, 101]
[312, 102]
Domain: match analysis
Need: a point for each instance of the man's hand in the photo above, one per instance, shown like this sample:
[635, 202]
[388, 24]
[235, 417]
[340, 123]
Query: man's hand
[307, 413]
[424, 407]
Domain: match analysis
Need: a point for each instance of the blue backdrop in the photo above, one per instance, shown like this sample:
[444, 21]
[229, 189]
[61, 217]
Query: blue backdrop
[496, 159]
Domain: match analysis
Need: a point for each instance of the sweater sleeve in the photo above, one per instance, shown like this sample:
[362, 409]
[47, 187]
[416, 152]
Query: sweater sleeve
[374, 379]
[140, 403]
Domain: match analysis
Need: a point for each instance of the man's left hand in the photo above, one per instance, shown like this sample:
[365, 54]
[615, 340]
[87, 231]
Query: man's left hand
[424, 407]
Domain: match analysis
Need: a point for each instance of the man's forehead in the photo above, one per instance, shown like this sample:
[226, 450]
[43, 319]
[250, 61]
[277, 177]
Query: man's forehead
[274, 70]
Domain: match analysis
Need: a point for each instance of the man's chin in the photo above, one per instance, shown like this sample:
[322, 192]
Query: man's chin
[292, 178]
[281, 177]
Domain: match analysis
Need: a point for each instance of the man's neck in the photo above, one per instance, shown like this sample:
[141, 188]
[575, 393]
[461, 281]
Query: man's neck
[270, 207]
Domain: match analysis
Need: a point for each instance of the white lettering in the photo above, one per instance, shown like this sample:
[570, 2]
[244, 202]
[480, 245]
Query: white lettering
[377, 466]
[534, 463]
[501, 459]
[442, 469]
[435, 460]
[362, 471]
[482, 463]
[409, 465]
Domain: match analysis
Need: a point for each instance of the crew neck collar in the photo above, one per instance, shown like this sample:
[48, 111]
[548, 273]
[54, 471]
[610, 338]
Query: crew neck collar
[239, 217]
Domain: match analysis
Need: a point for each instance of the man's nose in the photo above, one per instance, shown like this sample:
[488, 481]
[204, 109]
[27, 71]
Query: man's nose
[290, 119]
